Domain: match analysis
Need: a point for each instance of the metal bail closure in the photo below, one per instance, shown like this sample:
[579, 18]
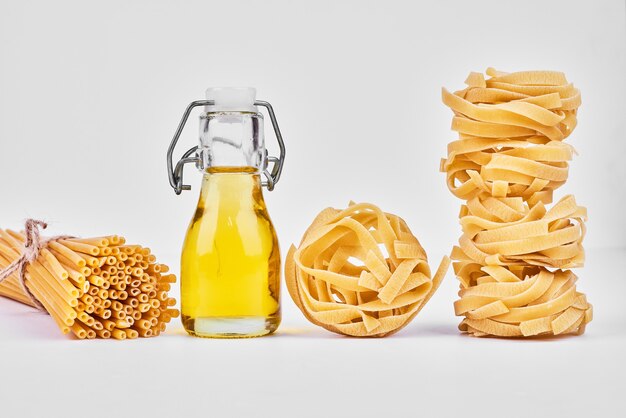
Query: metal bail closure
[175, 173]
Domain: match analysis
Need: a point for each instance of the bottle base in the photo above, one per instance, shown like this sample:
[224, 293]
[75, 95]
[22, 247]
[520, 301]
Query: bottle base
[231, 327]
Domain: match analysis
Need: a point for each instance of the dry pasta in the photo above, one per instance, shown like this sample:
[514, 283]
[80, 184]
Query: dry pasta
[93, 287]
[360, 272]
[513, 258]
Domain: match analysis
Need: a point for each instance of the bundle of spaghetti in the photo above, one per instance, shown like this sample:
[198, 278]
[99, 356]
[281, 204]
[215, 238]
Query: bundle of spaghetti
[360, 272]
[94, 287]
[513, 256]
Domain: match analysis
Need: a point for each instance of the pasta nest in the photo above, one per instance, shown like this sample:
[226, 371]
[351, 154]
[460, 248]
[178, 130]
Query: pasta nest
[511, 129]
[522, 301]
[360, 272]
[508, 232]
[513, 256]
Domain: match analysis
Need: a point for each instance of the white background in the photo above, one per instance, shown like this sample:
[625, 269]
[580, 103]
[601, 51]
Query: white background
[91, 93]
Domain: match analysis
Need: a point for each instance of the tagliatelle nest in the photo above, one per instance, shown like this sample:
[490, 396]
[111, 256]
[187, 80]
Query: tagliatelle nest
[360, 272]
[511, 131]
[523, 301]
[508, 232]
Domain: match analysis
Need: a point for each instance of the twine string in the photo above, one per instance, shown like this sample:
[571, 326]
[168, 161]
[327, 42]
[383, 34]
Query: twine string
[28, 253]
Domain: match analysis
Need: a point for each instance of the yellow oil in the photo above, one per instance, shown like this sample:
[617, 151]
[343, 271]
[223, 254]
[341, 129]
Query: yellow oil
[230, 267]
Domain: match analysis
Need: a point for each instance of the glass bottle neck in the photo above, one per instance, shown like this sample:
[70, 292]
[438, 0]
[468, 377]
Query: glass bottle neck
[230, 140]
[231, 170]
[235, 187]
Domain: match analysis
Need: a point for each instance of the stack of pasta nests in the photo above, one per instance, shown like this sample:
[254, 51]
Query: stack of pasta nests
[93, 287]
[515, 254]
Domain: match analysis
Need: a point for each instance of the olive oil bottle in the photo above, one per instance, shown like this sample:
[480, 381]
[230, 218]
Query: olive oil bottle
[230, 269]
[230, 264]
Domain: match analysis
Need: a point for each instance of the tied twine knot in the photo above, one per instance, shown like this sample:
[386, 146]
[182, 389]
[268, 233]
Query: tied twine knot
[29, 252]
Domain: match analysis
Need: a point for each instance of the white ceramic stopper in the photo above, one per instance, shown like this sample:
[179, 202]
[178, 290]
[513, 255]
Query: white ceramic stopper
[231, 99]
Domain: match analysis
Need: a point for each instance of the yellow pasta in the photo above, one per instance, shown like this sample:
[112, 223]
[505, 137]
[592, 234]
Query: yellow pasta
[360, 272]
[78, 283]
[513, 256]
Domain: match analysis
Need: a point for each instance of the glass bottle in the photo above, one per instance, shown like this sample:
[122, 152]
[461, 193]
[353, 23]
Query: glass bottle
[230, 263]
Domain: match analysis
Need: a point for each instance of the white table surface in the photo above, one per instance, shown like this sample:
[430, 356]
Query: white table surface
[428, 369]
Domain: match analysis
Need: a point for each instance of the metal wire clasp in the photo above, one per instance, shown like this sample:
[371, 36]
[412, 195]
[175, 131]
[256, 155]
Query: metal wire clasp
[175, 173]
